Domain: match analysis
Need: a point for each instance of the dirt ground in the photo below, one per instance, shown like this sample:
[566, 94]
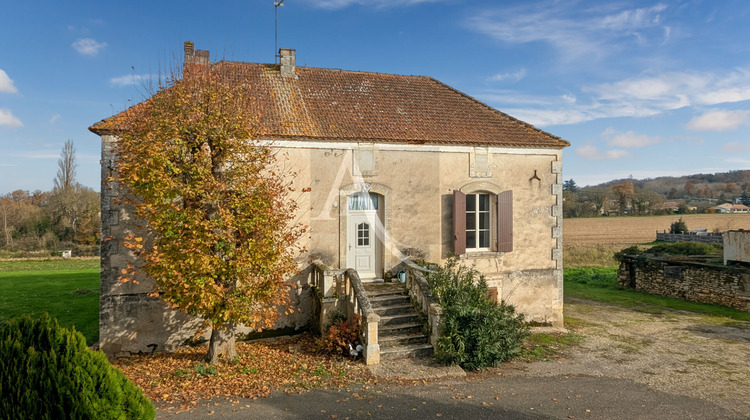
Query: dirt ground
[634, 230]
[675, 352]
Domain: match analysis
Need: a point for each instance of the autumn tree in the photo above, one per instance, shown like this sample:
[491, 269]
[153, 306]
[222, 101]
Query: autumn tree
[624, 193]
[220, 237]
[689, 188]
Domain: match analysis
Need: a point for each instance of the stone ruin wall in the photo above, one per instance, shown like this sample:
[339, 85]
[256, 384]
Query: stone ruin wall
[695, 282]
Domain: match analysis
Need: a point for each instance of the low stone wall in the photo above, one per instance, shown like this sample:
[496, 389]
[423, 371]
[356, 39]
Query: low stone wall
[687, 280]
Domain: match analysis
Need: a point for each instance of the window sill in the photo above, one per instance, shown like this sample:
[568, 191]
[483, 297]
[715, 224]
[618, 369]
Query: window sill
[480, 254]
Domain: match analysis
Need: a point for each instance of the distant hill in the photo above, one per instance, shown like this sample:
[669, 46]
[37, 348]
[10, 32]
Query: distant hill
[663, 195]
[732, 182]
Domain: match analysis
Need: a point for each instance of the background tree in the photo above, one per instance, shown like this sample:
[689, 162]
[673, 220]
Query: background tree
[745, 198]
[570, 185]
[220, 238]
[72, 203]
[624, 193]
[646, 201]
[689, 188]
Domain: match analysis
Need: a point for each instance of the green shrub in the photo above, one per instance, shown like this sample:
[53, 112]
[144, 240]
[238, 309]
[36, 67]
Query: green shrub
[47, 372]
[476, 331]
[678, 227]
[685, 248]
[629, 251]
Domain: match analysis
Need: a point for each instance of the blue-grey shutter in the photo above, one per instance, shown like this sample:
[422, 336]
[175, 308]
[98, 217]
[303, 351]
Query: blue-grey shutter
[505, 221]
[459, 222]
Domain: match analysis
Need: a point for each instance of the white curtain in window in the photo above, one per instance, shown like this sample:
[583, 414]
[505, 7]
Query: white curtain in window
[363, 201]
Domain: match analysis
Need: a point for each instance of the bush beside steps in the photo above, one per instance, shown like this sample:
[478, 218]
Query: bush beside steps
[47, 372]
[476, 331]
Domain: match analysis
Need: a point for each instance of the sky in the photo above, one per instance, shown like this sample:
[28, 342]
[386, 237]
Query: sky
[639, 88]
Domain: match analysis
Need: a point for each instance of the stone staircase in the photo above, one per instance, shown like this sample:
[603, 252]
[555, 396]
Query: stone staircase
[400, 329]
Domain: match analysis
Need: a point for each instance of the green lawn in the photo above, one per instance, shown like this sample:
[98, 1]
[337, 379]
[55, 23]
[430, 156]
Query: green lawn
[600, 284]
[66, 289]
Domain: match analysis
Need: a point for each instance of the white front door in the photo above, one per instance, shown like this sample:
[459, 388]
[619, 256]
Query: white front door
[363, 243]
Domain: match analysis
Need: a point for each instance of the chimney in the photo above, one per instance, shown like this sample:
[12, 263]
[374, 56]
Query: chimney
[193, 56]
[288, 61]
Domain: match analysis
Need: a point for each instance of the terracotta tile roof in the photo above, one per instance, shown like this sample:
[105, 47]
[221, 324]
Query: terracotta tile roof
[335, 105]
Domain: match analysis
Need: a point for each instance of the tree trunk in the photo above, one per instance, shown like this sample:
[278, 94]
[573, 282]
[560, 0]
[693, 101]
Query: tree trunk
[221, 347]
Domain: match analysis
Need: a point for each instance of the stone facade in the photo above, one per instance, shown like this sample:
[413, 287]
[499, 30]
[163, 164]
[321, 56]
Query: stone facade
[687, 280]
[129, 320]
[384, 158]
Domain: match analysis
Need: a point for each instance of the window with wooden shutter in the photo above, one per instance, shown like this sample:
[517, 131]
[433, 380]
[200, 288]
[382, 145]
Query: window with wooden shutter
[459, 222]
[505, 221]
[472, 215]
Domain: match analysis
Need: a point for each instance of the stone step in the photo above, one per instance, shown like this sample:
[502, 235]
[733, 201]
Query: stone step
[398, 329]
[400, 352]
[396, 309]
[385, 289]
[408, 318]
[388, 300]
[403, 340]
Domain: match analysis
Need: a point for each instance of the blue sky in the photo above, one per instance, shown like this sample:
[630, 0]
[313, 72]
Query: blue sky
[641, 88]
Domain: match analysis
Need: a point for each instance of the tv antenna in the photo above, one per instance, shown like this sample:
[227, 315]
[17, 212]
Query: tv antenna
[276, 5]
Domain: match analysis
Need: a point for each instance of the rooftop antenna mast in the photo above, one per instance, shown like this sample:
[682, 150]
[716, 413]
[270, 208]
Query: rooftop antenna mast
[276, 5]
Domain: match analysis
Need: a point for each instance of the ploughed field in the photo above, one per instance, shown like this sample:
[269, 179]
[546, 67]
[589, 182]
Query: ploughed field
[642, 229]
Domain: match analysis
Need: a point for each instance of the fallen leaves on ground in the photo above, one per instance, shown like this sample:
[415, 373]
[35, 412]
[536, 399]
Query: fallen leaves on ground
[288, 364]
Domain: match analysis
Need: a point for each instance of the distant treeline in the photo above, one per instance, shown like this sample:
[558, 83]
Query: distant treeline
[665, 195]
[65, 218]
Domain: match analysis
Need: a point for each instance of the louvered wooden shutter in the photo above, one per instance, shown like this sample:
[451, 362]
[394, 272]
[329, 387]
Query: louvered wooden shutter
[505, 221]
[459, 222]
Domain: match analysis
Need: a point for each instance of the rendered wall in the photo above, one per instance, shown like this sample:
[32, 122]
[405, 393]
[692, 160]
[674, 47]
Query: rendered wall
[416, 184]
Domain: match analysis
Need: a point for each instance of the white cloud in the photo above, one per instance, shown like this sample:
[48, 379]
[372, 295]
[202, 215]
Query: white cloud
[641, 96]
[7, 118]
[628, 139]
[38, 154]
[340, 4]
[54, 118]
[513, 77]
[131, 79]
[592, 153]
[736, 147]
[719, 120]
[6, 84]
[573, 31]
[88, 46]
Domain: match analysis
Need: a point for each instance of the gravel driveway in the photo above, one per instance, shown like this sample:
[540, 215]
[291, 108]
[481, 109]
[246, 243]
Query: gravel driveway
[629, 364]
[680, 353]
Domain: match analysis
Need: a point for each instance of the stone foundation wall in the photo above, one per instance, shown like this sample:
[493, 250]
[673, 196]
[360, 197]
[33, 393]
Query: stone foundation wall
[695, 282]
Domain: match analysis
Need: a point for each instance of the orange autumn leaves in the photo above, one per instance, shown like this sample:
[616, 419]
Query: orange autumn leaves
[216, 229]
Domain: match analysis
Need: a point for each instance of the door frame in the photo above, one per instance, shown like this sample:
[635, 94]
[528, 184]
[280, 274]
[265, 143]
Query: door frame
[381, 233]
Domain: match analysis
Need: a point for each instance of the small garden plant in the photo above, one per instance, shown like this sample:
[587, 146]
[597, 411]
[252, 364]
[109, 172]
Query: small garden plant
[476, 331]
[47, 372]
[341, 334]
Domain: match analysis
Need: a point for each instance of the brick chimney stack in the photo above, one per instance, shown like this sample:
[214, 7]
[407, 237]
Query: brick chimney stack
[193, 56]
[288, 61]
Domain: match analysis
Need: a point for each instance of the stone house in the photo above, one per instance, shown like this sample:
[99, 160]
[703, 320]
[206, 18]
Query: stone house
[399, 166]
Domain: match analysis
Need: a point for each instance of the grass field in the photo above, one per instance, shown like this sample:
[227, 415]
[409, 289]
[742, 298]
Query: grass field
[592, 241]
[66, 289]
